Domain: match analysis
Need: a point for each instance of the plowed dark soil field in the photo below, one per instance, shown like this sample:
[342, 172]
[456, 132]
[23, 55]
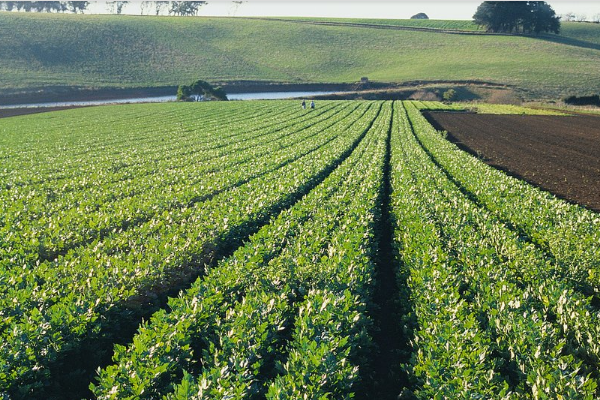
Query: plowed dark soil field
[558, 154]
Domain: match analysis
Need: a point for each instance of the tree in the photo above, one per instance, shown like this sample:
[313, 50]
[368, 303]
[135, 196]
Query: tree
[236, 5]
[116, 7]
[200, 90]
[542, 18]
[185, 8]
[33, 6]
[517, 17]
[184, 92]
[449, 95]
[160, 5]
[501, 16]
[50, 6]
[76, 6]
[420, 16]
[145, 7]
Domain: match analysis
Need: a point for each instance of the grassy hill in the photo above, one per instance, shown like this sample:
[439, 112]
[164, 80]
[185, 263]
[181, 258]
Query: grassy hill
[46, 51]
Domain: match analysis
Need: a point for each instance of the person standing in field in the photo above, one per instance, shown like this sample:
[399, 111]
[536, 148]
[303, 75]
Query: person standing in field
[312, 104]
[303, 105]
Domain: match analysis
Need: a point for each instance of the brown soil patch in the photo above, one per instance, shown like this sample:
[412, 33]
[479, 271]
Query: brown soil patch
[12, 112]
[558, 154]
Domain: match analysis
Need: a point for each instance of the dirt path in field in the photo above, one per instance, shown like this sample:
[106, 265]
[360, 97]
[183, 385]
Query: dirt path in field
[383, 377]
[558, 154]
[13, 112]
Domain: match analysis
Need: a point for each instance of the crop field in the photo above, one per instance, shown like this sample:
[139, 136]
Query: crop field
[242, 250]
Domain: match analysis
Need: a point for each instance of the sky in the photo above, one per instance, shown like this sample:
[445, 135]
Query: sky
[435, 9]
[378, 9]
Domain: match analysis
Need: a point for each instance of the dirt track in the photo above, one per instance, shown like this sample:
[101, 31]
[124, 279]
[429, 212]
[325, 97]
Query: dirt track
[12, 112]
[558, 154]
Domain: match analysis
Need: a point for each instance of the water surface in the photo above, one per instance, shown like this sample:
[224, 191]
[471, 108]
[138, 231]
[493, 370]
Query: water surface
[164, 99]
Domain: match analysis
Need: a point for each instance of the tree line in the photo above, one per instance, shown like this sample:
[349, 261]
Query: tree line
[517, 17]
[44, 6]
[181, 8]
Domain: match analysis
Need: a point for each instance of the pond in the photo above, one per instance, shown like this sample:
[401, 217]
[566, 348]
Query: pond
[163, 99]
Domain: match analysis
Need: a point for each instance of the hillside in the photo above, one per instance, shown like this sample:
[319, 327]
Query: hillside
[50, 52]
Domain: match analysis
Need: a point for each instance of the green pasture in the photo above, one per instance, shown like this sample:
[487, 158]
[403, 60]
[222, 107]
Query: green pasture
[98, 51]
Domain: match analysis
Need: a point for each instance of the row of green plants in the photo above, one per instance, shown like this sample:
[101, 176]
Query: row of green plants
[494, 316]
[436, 106]
[509, 109]
[39, 270]
[81, 172]
[50, 147]
[50, 308]
[284, 316]
[119, 151]
[81, 216]
[498, 280]
[484, 108]
[567, 233]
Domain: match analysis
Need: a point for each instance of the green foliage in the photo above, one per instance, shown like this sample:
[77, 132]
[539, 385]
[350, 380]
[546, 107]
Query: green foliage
[34, 6]
[185, 8]
[183, 92]
[202, 90]
[437, 106]
[517, 16]
[449, 95]
[491, 306]
[420, 16]
[231, 180]
[309, 269]
[106, 206]
[512, 109]
[44, 6]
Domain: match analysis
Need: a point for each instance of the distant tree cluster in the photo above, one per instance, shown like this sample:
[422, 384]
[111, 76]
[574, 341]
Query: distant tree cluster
[200, 90]
[517, 17]
[583, 100]
[181, 8]
[116, 7]
[420, 16]
[185, 8]
[572, 17]
[44, 6]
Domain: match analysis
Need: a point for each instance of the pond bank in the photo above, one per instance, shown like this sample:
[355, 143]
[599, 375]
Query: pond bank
[75, 94]
[164, 99]
[245, 90]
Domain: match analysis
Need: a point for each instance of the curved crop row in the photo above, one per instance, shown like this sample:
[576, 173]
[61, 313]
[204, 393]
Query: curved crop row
[280, 313]
[83, 217]
[523, 332]
[171, 149]
[37, 146]
[568, 233]
[65, 301]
